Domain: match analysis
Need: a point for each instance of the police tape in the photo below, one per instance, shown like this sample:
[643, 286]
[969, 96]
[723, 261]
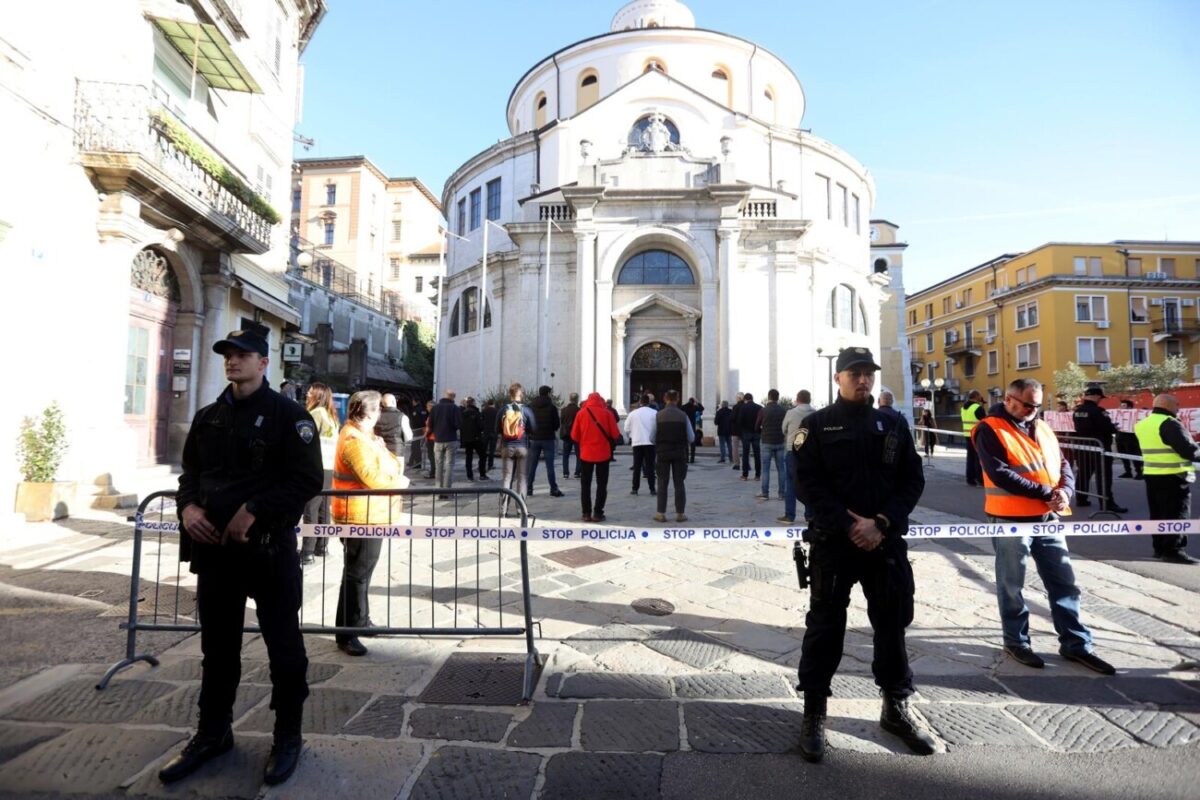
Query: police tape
[595, 533]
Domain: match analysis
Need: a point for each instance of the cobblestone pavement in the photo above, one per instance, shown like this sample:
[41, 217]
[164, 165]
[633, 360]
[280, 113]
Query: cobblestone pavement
[628, 705]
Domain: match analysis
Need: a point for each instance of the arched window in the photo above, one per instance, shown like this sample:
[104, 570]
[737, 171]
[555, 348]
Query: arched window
[655, 267]
[589, 90]
[722, 86]
[639, 127]
[539, 113]
[655, 64]
[465, 316]
[769, 96]
[454, 319]
[881, 265]
[845, 310]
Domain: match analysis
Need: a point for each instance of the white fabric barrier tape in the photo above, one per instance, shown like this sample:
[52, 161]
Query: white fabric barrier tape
[719, 534]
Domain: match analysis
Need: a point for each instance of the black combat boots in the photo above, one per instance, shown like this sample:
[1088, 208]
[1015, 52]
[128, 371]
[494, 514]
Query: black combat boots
[812, 730]
[285, 750]
[898, 718]
[200, 749]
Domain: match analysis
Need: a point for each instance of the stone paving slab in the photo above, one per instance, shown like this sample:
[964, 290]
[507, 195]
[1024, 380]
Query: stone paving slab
[854, 686]
[379, 678]
[383, 718]
[961, 689]
[458, 724]
[237, 773]
[16, 739]
[187, 669]
[1062, 689]
[732, 686]
[318, 672]
[179, 709]
[974, 725]
[596, 640]
[79, 701]
[614, 686]
[628, 776]
[325, 711]
[742, 727]
[454, 772]
[755, 572]
[1140, 623]
[548, 725]
[331, 768]
[91, 758]
[630, 726]
[692, 648]
[1074, 729]
[1158, 728]
[1159, 690]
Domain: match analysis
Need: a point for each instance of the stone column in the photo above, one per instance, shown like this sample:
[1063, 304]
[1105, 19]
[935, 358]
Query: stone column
[586, 293]
[604, 339]
[207, 366]
[620, 388]
[727, 261]
[689, 386]
[708, 349]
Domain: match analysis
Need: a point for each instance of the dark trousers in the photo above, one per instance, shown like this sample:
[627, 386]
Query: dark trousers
[1127, 444]
[537, 449]
[475, 449]
[417, 448]
[643, 465]
[692, 447]
[353, 609]
[1170, 497]
[569, 446]
[430, 463]
[586, 470]
[974, 471]
[316, 512]
[751, 441]
[674, 470]
[272, 577]
[489, 451]
[887, 582]
[1097, 466]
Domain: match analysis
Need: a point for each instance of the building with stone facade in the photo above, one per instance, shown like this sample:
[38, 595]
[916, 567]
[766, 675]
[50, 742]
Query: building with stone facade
[657, 219]
[152, 141]
[887, 258]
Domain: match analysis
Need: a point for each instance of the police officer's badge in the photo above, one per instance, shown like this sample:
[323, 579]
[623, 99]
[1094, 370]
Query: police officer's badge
[307, 430]
[799, 438]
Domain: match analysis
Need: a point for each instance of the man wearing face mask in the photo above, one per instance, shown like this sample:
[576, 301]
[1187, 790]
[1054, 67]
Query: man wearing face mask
[859, 473]
[1026, 479]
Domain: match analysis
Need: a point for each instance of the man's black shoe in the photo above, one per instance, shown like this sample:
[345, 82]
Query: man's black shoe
[1177, 557]
[200, 749]
[285, 755]
[352, 647]
[1090, 660]
[1125, 475]
[896, 717]
[812, 728]
[556, 493]
[1025, 655]
[598, 516]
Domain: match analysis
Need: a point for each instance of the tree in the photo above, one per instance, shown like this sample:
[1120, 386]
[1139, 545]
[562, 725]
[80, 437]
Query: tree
[1154, 378]
[418, 352]
[1070, 381]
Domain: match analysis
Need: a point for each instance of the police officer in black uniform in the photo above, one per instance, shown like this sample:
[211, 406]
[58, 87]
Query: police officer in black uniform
[1093, 422]
[251, 461]
[859, 472]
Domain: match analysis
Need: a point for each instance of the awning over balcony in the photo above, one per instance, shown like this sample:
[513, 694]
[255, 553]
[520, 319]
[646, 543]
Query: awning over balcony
[259, 298]
[206, 49]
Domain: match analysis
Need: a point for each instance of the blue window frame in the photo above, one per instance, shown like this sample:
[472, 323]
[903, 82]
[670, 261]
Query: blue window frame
[476, 198]
[462, 216]
[656, 267]
[493, 199]
[329, 231]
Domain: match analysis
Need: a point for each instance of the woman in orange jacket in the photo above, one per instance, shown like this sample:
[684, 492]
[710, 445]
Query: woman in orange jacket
[362, 461]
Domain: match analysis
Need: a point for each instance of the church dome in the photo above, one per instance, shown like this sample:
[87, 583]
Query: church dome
[653, 14]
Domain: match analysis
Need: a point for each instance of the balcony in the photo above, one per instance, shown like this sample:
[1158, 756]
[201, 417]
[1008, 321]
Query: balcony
[128, 143]
[1173, 327]
[334, 276]
[967, 346]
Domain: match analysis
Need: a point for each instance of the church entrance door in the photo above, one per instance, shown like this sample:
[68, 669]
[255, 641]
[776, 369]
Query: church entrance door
[655, 368]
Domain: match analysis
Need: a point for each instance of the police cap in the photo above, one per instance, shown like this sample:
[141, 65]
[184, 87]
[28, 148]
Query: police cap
[249, 340]
[856, 357]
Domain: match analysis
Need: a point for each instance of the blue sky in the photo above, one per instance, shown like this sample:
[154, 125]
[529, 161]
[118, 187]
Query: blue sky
[990, 127]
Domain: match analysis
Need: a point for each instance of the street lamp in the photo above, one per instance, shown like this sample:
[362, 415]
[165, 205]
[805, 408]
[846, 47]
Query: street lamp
[829, 371]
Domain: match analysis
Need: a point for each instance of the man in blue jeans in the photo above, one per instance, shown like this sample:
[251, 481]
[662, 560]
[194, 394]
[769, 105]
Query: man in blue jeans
[769, 428]
[1026, 479]
[541, 439]
[792, 421]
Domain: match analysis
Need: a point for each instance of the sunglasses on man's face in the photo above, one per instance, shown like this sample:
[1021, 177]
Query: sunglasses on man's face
[1028, 406]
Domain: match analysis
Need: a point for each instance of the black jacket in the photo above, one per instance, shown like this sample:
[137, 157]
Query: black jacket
[724, 421]
[472, 425]
[673, 431]
[853, 458]
[262, 451]
[770, 423]
[388, 428]
[546, 417]
[1093, 422]
[489, 415]
[445, 420]
[747, 418]
[568, 419]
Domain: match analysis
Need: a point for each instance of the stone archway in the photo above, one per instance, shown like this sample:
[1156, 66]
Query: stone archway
[154, 300]
[655, 367]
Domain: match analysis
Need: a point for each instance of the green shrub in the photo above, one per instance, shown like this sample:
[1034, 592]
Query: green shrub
[41, 445]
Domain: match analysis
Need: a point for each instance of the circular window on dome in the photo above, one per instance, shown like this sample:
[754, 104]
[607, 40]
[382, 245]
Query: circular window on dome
[636, 133]
[656, 267]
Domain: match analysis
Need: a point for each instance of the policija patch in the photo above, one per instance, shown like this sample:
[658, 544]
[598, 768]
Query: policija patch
[307, 430]
[799, 439]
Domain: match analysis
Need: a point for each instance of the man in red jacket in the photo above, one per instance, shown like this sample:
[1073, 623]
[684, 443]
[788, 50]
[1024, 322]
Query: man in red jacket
[596, 432]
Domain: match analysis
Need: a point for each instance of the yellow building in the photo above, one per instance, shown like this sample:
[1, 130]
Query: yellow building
[1029, 314]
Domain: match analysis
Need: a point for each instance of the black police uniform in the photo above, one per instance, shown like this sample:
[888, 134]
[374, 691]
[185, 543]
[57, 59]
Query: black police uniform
[1093, 422]
[851, 457]
[262, 451]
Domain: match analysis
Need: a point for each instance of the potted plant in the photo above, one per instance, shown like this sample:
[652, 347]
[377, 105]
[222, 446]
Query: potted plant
[40, 449]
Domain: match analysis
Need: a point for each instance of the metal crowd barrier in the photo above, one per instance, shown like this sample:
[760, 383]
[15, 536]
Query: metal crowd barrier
[455, 596]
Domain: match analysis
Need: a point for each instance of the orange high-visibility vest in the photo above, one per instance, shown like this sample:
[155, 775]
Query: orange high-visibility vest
[1039, 461]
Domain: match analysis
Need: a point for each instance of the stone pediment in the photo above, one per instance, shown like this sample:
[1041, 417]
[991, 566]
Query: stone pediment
[655, 300]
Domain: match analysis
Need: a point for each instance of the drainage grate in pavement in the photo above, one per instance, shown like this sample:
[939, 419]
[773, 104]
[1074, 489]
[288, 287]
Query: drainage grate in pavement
[692, 648]
[654, 606]
[485, 679]
[580, 556]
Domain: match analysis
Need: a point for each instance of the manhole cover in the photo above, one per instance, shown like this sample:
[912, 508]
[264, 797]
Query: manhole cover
[88, 593]
[580, 556]
[483, 679]
[654, 606]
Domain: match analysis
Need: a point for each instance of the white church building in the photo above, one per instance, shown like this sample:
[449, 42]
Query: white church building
[657, 219]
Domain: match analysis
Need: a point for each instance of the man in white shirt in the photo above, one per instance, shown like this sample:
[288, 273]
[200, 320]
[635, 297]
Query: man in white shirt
[640, 428]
